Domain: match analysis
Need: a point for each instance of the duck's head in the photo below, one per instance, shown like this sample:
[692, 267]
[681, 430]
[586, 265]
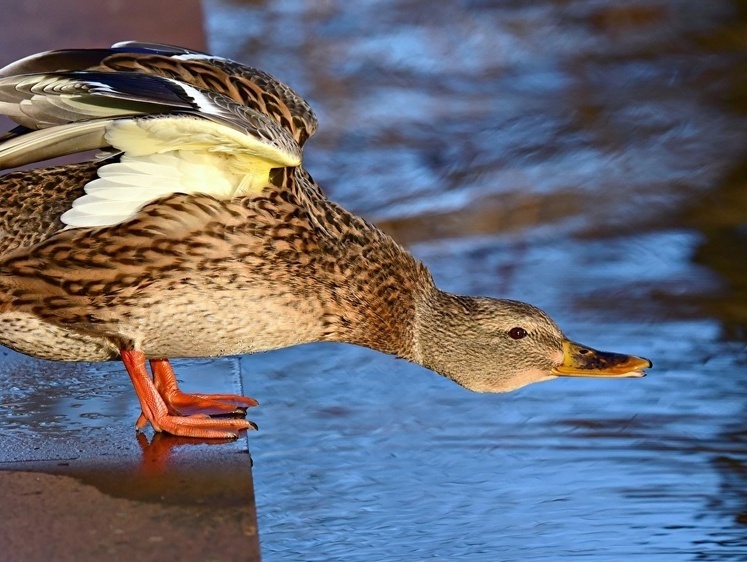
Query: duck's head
[493, 345]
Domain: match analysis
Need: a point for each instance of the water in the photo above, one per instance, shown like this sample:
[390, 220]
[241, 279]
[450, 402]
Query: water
[584, 156]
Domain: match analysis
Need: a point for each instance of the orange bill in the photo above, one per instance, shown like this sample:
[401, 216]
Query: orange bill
[582, 361]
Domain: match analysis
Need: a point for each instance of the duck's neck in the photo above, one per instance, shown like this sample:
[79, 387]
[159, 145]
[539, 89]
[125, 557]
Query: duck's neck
[384, 319]
[440, 329]
[406, 315]
[421, 324]
[374, 301]
[384, 298]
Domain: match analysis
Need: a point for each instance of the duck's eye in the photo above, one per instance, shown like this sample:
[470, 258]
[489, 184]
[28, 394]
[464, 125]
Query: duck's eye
[517, 333]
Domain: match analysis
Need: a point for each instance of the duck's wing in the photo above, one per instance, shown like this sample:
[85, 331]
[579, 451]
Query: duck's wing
[174, 137]
[243, 84]
[79, 103]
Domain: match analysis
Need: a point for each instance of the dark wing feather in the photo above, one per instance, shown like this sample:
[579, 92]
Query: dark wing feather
[73, 109]
[245, 85]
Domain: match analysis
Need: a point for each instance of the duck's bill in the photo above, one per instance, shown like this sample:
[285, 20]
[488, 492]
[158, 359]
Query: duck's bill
[582, 361]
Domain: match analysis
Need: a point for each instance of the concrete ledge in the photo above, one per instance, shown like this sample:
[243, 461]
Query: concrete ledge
[75, 481]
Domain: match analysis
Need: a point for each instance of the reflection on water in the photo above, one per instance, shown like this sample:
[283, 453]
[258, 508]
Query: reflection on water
[720, 216]
[585, 156]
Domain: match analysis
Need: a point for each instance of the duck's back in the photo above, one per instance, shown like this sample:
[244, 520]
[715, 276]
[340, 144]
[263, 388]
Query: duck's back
[265, 263]
[32, 201]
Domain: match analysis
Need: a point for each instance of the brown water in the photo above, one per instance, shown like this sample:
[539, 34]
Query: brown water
[583, 155]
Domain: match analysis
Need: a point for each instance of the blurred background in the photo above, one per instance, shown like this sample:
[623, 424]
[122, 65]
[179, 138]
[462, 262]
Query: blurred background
[587, 156]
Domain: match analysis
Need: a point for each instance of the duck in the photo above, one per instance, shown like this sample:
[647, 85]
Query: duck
[196, 231]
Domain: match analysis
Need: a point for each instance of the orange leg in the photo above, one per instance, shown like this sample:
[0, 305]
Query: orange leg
[156, 412]
[180, 403]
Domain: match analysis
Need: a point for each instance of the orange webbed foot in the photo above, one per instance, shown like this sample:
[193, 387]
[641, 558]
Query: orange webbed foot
[181, 403]
[156, 412]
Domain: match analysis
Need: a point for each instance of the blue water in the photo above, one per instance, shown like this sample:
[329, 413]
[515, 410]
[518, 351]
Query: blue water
[586, 156]
[561, 153]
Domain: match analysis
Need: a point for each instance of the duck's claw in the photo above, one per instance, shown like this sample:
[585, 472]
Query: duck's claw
[181, 403]
[161, 416]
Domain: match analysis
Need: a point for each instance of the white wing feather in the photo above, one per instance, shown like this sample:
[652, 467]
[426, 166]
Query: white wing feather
[174, 138]
[173, 155]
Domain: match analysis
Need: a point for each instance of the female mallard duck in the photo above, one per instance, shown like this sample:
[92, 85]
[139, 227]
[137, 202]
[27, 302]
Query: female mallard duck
[200, 234]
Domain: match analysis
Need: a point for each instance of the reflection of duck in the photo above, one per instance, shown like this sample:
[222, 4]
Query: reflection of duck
[200, 235]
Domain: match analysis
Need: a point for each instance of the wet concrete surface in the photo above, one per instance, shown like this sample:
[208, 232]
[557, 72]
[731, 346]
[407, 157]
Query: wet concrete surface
[37, 517]
[72, 465]
[82, 510]
[584, 156]
[76, 482]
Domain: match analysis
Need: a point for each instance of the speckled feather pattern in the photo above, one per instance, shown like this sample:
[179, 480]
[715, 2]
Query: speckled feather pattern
[249, 86]
[34, 200]
[192, 274]
[196, 276]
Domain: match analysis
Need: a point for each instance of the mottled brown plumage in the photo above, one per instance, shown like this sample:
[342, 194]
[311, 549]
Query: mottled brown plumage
[209, 256]
[33, 200]
[196, 274]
